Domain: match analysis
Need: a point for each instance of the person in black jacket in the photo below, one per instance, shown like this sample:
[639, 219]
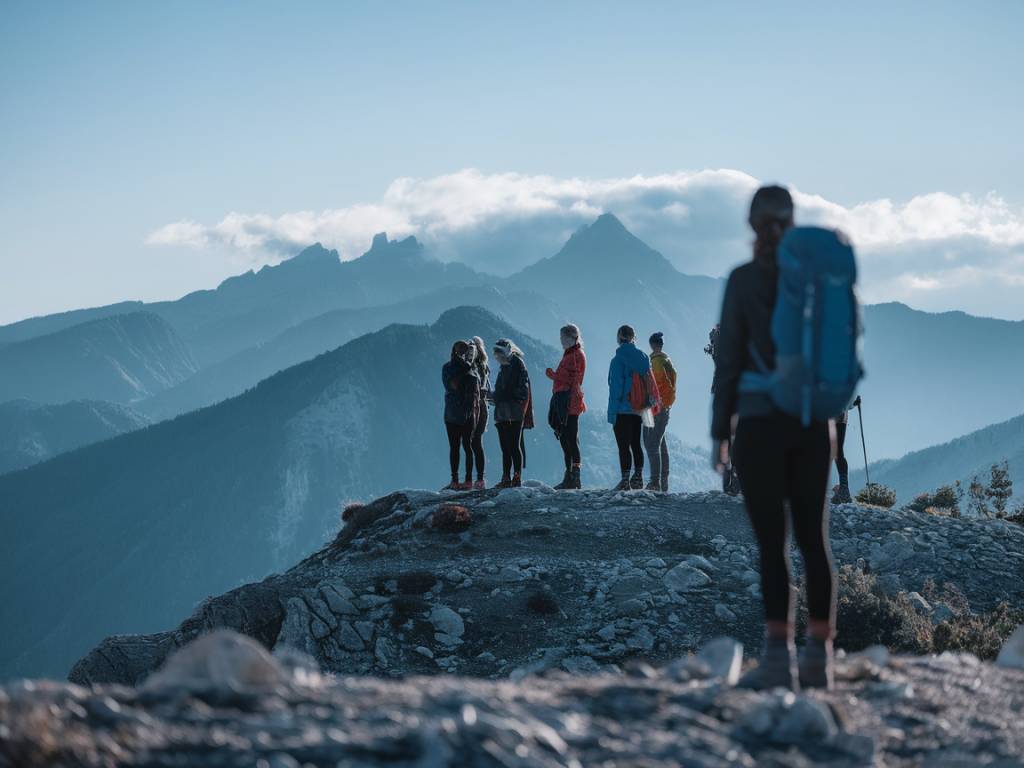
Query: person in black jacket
[461, 410]
[778, 461]
[512, 410]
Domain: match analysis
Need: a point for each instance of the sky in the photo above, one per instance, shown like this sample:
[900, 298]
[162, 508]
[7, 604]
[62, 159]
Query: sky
[149, 149]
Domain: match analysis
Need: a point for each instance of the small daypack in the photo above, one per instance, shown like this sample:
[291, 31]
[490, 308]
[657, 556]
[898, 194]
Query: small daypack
[816, 327]
[643, 394]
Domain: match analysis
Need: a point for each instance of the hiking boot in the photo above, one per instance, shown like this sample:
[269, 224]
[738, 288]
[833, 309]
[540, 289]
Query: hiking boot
[654, 485]
[566, 483]
[503, 483]
[777, 668]
[454, 485]
[636, 482]
[479, 485]
[816, 667]
[841, 494]
[517, 480]
[623, 485]
[574, 478]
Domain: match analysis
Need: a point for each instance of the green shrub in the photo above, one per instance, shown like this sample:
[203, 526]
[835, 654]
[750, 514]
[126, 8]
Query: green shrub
[877, 495]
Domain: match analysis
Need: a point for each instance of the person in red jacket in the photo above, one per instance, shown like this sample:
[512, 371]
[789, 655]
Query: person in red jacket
[567, 403]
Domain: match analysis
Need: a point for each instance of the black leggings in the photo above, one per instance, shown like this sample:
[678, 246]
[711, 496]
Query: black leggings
[570, 440]
[478, 444]
[510, 436]
[779, 460]
[842, 466]
[460, 435]
[629, 438]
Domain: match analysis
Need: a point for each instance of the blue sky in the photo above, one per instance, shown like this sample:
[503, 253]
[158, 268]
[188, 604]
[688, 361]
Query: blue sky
[122, 118]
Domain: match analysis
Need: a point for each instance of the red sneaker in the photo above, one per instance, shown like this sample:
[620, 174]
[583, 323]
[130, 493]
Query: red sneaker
[479, 485]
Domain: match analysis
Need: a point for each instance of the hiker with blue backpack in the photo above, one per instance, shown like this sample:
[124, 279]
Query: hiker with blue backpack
[629, 369]
[788, 361]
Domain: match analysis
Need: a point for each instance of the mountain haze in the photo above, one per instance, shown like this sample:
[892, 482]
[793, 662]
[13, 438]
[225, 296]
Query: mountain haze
[31, 432]
[121, 359]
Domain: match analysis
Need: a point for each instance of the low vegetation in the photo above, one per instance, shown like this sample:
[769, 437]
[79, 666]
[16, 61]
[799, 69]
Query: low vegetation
[867, 615]
[877, 495]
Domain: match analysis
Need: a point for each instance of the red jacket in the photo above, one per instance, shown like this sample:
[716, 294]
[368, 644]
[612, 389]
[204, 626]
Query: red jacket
[569, 378]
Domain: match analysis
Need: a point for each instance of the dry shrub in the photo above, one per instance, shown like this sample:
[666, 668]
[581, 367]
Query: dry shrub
[981, 634]
[350, 510]
[452, 518]
[865, 615]
[877, 495]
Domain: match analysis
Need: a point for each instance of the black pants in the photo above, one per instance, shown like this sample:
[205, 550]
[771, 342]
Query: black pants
[780, 460]
[570, 440]
[510, 437]
[842, 465]
[478, 444]
[460, 435]
[629, 438]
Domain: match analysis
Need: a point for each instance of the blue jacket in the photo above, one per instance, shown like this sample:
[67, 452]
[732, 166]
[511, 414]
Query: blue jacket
[627, 361]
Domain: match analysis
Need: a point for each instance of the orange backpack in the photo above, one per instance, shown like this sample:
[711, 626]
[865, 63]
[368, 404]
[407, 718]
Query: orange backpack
[644, 393]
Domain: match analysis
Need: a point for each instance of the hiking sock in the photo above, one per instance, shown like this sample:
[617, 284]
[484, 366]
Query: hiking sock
[816, 664]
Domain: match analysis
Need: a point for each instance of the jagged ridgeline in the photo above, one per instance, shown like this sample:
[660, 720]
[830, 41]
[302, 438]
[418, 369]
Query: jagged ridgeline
[127, 535]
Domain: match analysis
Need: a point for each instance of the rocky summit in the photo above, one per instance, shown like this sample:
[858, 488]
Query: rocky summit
[510, 583]
[539, 628]
[224, 700]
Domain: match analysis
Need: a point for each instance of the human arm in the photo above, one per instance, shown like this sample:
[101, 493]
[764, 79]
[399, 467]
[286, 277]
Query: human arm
[615, 381]
[729, 364]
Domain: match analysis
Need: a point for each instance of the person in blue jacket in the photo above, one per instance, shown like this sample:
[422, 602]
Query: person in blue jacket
[626, 422]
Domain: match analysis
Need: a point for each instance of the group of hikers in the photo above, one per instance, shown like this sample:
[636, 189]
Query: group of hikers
[787, 362]
[468, 393]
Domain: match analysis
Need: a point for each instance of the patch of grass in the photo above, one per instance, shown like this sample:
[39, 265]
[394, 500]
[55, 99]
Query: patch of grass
[981, 634]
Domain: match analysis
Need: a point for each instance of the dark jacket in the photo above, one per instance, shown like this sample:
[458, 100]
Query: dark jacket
[483, 373]
[512, 391]
[461, 392]
[746, 321]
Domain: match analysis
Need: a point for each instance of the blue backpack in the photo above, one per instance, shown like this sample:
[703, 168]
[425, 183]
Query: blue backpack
[816, 327]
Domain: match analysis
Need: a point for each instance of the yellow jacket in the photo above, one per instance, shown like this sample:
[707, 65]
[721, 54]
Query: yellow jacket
[665, 376]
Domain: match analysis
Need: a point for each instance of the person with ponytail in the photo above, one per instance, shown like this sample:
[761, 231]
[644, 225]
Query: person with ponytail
[627, 424]
[483, 373]
[567, 403]
[461, 410]
[778, 461]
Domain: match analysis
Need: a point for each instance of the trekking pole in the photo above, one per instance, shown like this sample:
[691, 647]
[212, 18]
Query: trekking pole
[863, 445]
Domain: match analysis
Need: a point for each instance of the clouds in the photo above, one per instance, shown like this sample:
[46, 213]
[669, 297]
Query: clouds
[935, 250]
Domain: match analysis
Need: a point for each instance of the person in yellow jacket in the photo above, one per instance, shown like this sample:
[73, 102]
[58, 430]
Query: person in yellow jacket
[654, 437]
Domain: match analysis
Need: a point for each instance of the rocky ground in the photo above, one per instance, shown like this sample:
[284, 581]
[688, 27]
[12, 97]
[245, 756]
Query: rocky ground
[506, 584]
[225, 701]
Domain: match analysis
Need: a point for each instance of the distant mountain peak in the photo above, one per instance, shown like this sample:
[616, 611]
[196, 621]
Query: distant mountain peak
[382, 247]
[607, 223]
[315, 252]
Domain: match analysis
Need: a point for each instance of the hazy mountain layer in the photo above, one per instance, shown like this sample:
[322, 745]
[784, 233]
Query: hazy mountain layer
[121, 359]
[129, 534]
[31, 432]
[960, 459]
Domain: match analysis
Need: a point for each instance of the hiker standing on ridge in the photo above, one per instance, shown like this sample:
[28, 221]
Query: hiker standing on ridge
[841, 493]
[730, 482]
[567, 403]
[512, 410]
[461, 410]
[483, 373]
[628, 364]
[782, 457]
[654, 437]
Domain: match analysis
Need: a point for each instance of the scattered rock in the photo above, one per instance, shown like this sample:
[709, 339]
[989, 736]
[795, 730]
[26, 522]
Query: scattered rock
[1012, 654]
[447, 622]
[221, 659]
[723, 658]
[685, 578]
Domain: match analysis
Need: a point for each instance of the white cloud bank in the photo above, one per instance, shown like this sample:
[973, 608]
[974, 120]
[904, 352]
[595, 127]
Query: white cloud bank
[935, 251]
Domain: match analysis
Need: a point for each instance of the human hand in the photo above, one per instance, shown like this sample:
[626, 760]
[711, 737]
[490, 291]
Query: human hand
[549, 373]
[719, 455]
